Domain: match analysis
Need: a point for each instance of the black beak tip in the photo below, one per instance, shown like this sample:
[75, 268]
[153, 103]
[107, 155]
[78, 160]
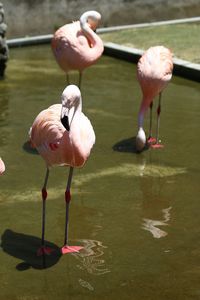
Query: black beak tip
[65, 122]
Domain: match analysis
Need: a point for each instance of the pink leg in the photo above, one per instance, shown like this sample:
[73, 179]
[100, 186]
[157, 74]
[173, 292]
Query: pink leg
[66, 248]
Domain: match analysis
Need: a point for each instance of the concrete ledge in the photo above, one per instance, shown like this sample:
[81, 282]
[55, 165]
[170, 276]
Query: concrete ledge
[142, 25]
[182, 68]
[186, 69]
[30, 41]
[122, 52]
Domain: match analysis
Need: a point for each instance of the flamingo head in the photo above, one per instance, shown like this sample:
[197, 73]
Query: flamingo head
[91, 18]
[140, 139]
[71, 99]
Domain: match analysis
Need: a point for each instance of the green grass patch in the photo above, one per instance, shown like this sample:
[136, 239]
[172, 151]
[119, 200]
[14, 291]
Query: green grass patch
[182, 39]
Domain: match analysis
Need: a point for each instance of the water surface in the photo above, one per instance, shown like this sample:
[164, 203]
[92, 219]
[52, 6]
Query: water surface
[137, 215]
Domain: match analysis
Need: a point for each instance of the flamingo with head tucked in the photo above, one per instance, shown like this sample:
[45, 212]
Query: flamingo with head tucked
[154, 71]
[76, 46]
[63, 136]
[2, 167]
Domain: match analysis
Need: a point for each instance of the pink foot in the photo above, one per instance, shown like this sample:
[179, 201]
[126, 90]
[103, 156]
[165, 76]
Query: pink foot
[157, 146]
[151, 140]
[44, 250]
[70, 249]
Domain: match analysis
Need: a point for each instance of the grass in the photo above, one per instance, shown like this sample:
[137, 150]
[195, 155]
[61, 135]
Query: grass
[182, 39]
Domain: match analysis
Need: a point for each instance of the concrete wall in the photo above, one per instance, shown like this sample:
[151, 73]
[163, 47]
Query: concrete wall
[34, 17]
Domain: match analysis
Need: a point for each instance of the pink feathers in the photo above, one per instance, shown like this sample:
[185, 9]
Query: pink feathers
[57, 145]
[2, 167]
[154, 71]
[76, 46]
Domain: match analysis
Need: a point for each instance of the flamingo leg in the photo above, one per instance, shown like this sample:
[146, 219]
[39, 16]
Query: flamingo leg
[44, 197]
[68, 249]
[158, 118]
[67, 78]
[44, 250]
[151, 139]
[80, 79]
[150, 124]
[67, 201]
[157, 144]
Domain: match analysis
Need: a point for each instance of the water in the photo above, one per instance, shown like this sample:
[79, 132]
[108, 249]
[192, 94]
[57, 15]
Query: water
[137, 215]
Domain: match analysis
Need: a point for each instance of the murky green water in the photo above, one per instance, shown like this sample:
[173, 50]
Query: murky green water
[136, 215]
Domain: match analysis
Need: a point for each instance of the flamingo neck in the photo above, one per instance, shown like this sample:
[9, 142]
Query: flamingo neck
[75, 111]
[87, 30]
[90, 35]
[143, 108]
[140, 120]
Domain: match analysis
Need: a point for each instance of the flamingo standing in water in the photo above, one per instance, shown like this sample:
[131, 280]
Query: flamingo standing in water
[2, 167]
[154, 71]
[63, 136]
[76, 46]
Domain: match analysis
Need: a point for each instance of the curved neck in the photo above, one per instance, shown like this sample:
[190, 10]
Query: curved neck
[75, 110]
[140, 119]
[87, 28]
[143, 108]
[90, 35]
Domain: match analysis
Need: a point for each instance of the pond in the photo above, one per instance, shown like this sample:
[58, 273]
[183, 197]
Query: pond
[137, 215]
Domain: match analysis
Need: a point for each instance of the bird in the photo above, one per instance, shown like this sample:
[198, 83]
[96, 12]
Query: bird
[76, 46]
[154, 71]
[2, 167]
[63, 136]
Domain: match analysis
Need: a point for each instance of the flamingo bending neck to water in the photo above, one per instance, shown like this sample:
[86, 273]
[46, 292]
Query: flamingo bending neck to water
[76, 46]
[154, 71]
[63, 136]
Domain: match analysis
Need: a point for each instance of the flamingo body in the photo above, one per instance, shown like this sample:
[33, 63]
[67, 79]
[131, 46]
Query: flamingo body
[154, 71]
[2, 167]
[76, 46]
[56, 145]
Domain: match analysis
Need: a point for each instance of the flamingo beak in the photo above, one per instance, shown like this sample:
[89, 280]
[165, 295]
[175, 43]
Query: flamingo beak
[65, 118]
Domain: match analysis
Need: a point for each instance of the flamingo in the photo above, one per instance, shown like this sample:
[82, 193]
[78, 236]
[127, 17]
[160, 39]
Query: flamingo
[76, 46]
[154, 71]
[63, 136]
[2, 167]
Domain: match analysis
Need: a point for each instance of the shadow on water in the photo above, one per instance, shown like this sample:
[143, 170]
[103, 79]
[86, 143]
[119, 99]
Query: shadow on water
[25, 247]
[128, 145]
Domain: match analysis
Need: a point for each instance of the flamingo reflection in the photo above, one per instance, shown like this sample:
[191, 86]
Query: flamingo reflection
[90, 257]
[151, 225]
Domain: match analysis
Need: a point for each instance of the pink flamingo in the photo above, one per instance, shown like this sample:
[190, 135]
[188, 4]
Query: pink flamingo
[63, 136]
[76, 46]
[154, 71]
[2, 167]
